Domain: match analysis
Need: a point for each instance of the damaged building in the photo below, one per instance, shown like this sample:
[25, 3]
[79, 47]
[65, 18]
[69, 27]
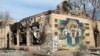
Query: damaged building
[5, 32]
[55, 30]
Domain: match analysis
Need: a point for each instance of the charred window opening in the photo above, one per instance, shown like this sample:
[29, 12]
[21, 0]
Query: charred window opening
[36, 38]
[14, 27]
[23, 30]
[23, 40]
[34, 25]
[14, 39]
[35, 34]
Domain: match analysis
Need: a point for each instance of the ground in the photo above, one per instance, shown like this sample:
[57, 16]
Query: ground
[25, 53]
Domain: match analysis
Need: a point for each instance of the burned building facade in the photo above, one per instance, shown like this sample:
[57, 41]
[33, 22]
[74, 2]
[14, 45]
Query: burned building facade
[54, 30]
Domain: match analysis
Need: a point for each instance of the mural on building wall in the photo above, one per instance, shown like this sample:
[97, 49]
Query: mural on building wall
[70, 31]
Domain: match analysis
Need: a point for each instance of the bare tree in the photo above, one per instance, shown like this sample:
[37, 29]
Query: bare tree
[96, 6]
[5, 16]
[82, 4]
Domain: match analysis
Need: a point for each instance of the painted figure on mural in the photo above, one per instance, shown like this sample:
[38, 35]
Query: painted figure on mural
[72, 33]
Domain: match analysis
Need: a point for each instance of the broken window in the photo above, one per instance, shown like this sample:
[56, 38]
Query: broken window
[14, 27]
[36, 37]
[23, 40]
[14, 39]
[35, 33]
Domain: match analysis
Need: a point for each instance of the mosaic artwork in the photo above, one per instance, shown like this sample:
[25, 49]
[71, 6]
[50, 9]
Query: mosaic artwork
[70, 32]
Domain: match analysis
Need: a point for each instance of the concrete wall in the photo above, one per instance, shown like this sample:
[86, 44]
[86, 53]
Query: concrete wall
[4, 30]
[88, 39]
[3, 36]
[98, 23]
[98, 35]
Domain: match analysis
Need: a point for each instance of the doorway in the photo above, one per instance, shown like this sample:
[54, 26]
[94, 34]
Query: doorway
[7, 41]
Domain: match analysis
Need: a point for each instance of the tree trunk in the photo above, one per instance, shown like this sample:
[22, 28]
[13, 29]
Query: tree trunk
[94, 11]
[84, 8]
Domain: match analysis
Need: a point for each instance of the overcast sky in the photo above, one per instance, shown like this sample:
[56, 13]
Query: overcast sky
[20, 9]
